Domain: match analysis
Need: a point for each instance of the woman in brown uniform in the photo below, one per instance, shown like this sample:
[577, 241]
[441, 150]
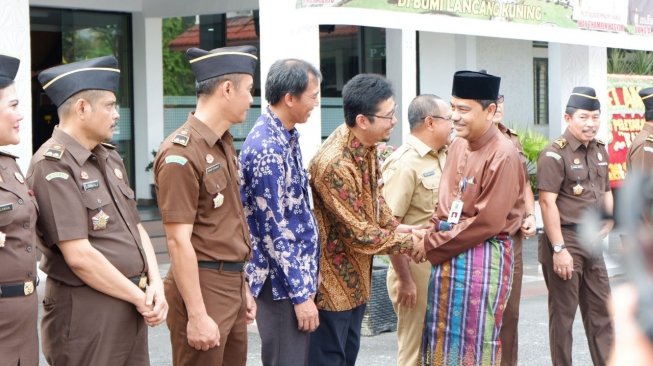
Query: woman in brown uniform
[18, 300]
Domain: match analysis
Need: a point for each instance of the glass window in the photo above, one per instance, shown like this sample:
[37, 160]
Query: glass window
[541, 90]
[346, 51]
[206, 32]
[65, 35]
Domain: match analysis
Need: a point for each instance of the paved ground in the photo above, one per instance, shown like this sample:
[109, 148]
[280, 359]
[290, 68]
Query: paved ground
[381, 349]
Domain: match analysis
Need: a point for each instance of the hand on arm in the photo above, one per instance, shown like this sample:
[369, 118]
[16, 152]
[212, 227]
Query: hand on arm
[154, 296]
[563, 262]
[202, 331]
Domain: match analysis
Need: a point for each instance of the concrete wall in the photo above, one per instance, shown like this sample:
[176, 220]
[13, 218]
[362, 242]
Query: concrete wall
[512, 60]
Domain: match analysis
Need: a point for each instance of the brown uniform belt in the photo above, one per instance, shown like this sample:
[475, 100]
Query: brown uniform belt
[140, 281]
[222, 265]
[19, 289]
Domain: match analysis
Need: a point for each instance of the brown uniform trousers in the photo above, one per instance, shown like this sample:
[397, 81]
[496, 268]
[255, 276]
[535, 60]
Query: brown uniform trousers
[74, 331]
[223, 290]
[509, 334]
[588, 288]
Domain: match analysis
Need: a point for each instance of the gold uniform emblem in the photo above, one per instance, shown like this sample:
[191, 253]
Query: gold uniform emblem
[209, 158]
[578, 189]
[100, 221]
[28, 288]
[118, 173]
[218, 200]
[142, 283]
[576, 161]
[84, 175]
[3, 239]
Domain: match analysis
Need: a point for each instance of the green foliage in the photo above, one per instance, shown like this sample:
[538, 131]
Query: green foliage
[178, 78]
[629, 62]
[88, 43]
[532, 143]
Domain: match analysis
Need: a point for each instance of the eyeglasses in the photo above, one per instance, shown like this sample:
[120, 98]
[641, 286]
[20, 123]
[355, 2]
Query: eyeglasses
[448, 119]
[391, 116]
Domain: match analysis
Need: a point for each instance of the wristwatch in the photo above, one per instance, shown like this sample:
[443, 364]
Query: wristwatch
[557, 248]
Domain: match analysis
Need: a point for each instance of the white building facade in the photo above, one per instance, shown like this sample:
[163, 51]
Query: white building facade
[539, 65]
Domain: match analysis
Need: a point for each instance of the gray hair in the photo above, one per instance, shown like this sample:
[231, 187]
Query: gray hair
[422, 106]
[288, 76]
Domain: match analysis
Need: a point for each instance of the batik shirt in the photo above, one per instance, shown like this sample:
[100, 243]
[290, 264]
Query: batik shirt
[276, 197]
[354, 221]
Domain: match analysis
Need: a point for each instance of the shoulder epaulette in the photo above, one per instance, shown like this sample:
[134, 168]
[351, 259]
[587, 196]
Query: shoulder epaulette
[181, 138]
[649, 138]
[600, 142]
[513, 132]
[7, 153]
[108, 145]
[54, 152]
[561, 142]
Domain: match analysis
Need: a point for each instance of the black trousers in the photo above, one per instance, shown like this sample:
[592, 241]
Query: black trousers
[282, 344]
[337, 340]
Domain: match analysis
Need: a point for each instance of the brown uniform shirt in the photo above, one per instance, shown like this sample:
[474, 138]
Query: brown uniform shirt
[640, 153]
[578, 174]
[354, 221]
[520, 209]
[18, 212]
[198, 183]
[76, 190]
[492, 169]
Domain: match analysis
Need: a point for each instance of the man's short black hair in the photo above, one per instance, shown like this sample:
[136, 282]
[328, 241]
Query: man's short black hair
[363, 94]
[288, 76]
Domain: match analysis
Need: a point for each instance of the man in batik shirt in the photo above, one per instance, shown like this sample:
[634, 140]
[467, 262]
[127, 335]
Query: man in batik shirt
[354, 221]
[277, 200]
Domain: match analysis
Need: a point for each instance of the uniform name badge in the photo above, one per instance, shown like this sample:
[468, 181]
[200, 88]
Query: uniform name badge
[455, 211]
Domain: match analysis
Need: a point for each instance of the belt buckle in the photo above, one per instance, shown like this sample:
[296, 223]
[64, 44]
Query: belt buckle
[28, 288]
[142, 282]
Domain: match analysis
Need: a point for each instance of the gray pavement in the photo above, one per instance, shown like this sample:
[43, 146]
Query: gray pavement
[381, 349]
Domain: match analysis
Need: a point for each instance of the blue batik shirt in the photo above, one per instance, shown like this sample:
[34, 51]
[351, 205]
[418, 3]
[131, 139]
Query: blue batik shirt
[277, 200]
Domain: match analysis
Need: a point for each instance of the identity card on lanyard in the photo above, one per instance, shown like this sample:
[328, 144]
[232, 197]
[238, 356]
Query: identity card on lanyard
[457, 205]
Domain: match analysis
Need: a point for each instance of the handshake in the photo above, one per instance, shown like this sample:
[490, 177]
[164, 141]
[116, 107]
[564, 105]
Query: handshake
[418, 232]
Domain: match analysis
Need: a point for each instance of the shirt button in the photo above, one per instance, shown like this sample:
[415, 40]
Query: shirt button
[20, 201]
[28, 249]
[26, 225]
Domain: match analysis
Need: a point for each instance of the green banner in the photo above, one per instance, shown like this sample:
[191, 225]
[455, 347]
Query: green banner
[614, 16]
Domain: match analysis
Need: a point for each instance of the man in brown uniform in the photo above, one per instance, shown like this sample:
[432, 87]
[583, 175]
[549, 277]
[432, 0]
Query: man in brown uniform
[509, 328]
[640, 153]
[103, 279]
[411, 177]
[572, 176]
[197, 182]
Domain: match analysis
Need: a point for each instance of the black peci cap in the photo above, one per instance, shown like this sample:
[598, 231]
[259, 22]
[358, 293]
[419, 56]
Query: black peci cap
[475, 85]
[63, 81]
[647, 98]
[584, 97]
[222, 61]
[8, 67]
